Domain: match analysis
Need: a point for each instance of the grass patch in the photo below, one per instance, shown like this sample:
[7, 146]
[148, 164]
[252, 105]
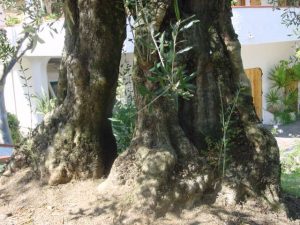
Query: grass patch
[290, 183]
[290, 167]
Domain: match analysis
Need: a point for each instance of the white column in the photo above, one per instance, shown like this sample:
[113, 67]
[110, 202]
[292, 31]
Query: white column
[39, 75]
[39, 80]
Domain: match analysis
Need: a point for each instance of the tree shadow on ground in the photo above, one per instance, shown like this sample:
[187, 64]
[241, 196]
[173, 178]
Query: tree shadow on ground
[292, 205]
[109, 207]
[94, 211]
[234, 217]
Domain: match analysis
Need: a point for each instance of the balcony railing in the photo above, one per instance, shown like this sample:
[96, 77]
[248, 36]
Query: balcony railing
[5, 152]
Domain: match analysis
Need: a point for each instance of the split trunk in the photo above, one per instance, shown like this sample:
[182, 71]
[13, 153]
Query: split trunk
[179, 155]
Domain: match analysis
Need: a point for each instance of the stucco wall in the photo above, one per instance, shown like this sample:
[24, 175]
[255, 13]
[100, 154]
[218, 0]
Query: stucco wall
[261, 25]
[15, 92]
[15, 98]
[264, 41]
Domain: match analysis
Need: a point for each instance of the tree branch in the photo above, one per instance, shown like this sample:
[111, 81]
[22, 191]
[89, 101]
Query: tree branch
[16, 57]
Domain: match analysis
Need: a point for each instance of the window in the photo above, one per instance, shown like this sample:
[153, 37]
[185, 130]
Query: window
[53, 89]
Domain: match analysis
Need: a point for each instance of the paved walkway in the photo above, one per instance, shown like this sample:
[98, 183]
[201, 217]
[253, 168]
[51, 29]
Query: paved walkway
[289, 135]
[288, 130]
[287, 144]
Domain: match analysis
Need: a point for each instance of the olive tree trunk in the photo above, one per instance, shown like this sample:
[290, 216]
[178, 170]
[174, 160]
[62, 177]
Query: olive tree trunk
[76, 139]
[251, 157]
[180, 154]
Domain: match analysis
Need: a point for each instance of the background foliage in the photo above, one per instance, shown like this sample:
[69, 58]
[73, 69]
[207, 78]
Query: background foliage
[282, 99]
[13, 124]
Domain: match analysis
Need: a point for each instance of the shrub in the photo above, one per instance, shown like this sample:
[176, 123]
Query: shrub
[44, 104]
[13, 124]
[282, 99]
[290, 167]
[290, 161]
[123, 123]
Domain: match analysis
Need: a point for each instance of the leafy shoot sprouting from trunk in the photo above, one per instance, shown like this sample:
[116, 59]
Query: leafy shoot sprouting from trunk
[225, 119]
[161, 53]
[28, 95]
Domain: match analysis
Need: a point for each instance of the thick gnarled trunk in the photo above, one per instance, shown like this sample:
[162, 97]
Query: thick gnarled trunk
[175, 154]
[252, 155]
[76, 140]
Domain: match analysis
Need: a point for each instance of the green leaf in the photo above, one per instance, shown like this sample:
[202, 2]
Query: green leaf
[296, 69]
[184, 50]
[153, 79]
[189, 25]
[162, 41]
[176, 9]
[143, 90]
[40, 40]
[34, 42]
[114, 120]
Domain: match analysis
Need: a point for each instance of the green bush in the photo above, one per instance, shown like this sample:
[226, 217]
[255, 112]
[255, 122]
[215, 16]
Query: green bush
[290, 167]
[290, 184]
[123, 123]
[290, 161]
[282, 99]
[44, 104]
[13, 124]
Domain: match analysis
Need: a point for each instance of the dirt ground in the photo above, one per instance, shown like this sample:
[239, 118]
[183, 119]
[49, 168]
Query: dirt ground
[24, 202]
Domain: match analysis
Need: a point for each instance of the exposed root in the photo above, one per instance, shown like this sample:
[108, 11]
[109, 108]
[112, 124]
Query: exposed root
[59, 152]
[156, 180]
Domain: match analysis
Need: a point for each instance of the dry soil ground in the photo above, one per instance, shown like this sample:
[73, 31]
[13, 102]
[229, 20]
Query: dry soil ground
[29, 202]
[24, 201]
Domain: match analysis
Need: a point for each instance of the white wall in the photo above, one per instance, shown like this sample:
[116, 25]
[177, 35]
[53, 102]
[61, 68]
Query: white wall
[53, 75]
[15, 98]
[15, 92]
[265, 56]
[53, 37]
[260, 25]
[264, 41]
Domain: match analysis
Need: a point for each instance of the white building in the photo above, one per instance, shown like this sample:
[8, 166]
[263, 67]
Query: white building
[265, 41]
[42, 66]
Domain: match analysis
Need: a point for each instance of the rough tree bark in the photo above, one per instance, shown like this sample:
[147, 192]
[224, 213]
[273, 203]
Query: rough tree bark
[171, 158]
[48, 6]
[76, 139]
[253, 153]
